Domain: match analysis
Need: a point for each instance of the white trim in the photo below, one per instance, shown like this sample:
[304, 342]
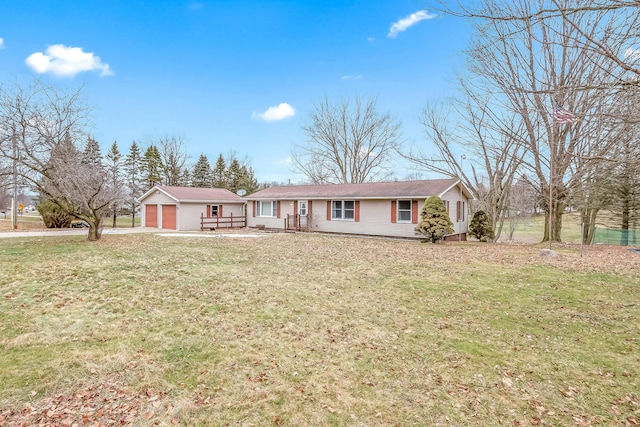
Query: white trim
[404, 221]
[343, 209]
[306, 207]
[274, 208]
[152, 190]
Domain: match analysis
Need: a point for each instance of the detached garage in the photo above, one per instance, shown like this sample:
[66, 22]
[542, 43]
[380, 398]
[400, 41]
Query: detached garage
[185, 208]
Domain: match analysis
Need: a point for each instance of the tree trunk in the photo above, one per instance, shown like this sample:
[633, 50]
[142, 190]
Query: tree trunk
[95, 228]
[133, 215]
[556, 223]
[114, 219]
[94, 233]
[588, 217]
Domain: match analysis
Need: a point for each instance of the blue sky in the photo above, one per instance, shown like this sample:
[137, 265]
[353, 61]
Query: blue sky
[232, 75]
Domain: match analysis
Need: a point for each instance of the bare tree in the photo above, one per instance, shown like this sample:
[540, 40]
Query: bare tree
[83, 189]
[522, 203]
[531, 69]
[489, 141]
[40, 128]
[618, 19]
[173, 157]
[348, 142]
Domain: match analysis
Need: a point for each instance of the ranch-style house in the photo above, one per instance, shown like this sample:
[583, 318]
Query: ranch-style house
[376, 209]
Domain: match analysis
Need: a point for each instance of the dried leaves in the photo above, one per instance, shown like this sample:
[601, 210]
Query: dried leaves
[107, 404]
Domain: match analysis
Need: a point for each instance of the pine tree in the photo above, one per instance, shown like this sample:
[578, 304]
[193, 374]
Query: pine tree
[113, 163]
[220, 173]
[92, 154]
[133, 178]
[435, 223]
[480, 226]
[235, 175]
[248, 181]
[201, 176]
[152, 167]
[185, 178]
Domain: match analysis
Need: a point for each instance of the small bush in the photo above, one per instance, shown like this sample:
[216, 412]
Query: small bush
[53, 216]
[480, 228]
[435, 223]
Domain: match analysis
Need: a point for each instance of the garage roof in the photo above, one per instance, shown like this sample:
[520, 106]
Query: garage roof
[195, 195]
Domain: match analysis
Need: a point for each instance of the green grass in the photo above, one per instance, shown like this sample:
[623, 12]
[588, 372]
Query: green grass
[317, 330]
[532, 228]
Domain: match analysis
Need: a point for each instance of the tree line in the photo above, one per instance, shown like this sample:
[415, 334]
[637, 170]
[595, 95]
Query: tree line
[44, 147]
[544, 119]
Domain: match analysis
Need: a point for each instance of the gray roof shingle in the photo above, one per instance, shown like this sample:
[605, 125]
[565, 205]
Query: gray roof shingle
[372, 190]
[193, 194]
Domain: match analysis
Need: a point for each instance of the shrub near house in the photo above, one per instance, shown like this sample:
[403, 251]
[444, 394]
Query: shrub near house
[435, 223]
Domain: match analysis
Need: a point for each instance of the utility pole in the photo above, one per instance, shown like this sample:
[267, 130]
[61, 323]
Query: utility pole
[14, 200]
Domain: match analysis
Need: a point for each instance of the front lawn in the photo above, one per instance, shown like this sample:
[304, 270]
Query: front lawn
[316, 330]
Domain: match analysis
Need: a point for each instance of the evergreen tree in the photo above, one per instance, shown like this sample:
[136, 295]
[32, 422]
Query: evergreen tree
[235, 175]
[152, 167]
[435, 223]
[220, 173]
[248, 181]
[185, 178]
[92, 154]
[480, 226]
[133, 178]
[113, 163]
[201, 176]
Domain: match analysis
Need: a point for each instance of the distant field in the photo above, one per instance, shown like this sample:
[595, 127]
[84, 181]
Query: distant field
[293, 330]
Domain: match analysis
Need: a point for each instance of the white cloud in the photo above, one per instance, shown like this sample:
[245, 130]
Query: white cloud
[408, 21]
[358, 77]
[279, 112]
[64, 61]
[1, 43]
[633, 54]
[285, 161]
[371, 39]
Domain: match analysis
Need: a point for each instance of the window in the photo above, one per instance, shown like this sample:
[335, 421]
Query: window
[302, 207]
[267, 208]
[212, 210]
[343, 209]
[404, 210]
[460, 211]
[446, 205]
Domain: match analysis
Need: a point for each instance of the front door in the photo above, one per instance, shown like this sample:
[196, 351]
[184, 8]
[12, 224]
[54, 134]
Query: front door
[303, 212]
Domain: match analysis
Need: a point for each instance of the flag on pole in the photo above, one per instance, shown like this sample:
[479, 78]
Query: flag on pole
[562, 116]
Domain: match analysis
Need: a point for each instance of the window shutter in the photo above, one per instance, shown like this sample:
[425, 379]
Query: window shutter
[295, 208]
[458, 211]
[309, 209]
[208, 211]
[357, 213]
[219, 211]
[328, 210]
[414, 211]
[278, 209]
[254, 208]
[394, 218]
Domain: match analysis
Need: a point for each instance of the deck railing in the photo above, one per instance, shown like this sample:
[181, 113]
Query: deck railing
[215, 222]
